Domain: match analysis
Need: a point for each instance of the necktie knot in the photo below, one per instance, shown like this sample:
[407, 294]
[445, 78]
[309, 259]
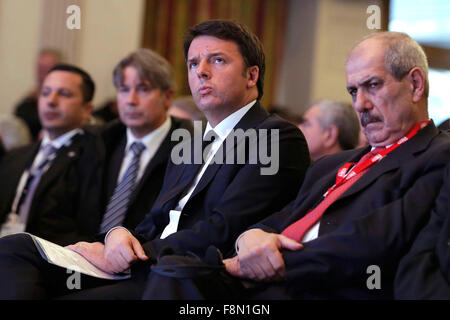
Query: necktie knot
[48, 149]
[48, 152]
[137, 148]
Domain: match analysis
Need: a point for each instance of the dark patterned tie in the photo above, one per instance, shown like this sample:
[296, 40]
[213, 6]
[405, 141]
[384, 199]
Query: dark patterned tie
[118, 203]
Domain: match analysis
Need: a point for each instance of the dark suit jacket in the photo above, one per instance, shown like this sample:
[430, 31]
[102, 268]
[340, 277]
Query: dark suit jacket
[424, 273]
[65, 206]
[2, 149]
[229, 197]
[373, 223]
[27, 110]
[150, 184]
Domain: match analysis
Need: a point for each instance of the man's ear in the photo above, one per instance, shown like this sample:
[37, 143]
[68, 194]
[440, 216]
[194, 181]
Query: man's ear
[417, 79]
[88, 108]
[332, 133]
[252, 76]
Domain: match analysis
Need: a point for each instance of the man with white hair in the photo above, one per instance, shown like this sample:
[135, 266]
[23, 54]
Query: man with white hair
[329, 127]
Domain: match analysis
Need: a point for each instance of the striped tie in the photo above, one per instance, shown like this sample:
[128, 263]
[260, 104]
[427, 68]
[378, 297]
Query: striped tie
[118, 204]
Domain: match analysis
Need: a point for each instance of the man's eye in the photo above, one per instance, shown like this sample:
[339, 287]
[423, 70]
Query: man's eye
[45, 92]
[352, 92]
[123, 89]
[65, 93]
[143, 89]
[374, 84]
[219, 60]
[192, 65]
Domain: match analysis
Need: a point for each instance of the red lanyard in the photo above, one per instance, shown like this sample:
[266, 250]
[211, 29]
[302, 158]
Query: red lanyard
[343, 174]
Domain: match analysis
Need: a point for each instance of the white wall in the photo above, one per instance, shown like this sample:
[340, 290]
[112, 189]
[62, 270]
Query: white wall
[110, 29]
[319, 36]
[19, 37]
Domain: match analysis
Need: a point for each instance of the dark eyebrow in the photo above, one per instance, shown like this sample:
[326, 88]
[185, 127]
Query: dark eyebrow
[209, 56]
[364, 82]
[370, 79]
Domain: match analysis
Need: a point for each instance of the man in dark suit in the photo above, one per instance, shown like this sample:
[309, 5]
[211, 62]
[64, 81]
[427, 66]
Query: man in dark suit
[201, 203]
[54, 195]
[143, 118]
[2, 149]
[354, 217]
[424, 273]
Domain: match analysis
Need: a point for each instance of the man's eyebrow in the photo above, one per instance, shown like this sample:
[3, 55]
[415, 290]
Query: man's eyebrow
[208, 56]
[369, 79]
[363, 82]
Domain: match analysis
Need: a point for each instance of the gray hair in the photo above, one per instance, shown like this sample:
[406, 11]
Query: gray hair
[402, 54]
[151, 67]
[344, 118]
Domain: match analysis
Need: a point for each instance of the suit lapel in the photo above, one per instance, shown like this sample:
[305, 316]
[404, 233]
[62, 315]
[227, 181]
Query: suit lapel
[159, 158]
[65, 156]
[114, 167]
[254, 116]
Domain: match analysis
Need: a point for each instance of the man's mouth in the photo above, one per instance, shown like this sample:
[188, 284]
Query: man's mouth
[133, 115]
[367, 118]
[50, 115]
[204, 90]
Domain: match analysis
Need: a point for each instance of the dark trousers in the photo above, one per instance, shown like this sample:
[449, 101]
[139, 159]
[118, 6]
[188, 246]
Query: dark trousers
[24, 274]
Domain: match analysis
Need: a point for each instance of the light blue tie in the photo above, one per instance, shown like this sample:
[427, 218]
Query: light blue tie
[34, 176]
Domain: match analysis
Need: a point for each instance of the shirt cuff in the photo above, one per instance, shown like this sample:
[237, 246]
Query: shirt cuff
[236, 247]
[112, 229]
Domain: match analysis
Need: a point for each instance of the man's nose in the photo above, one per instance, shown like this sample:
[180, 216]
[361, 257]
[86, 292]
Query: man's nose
[203, 70]
[133, 97]
[361, 101]
[52, 99]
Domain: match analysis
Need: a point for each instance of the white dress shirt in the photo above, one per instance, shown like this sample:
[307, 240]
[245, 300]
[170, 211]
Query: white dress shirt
[151, 141]
[222, 130]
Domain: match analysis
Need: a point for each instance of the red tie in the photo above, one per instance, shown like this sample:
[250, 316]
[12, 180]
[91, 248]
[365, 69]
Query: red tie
[297, 230]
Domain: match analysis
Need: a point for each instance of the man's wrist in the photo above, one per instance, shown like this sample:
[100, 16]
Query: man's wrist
[236, 245]
[112, 229]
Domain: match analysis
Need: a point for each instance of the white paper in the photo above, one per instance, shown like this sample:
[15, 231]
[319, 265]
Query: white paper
[172, 227]
[68, 259]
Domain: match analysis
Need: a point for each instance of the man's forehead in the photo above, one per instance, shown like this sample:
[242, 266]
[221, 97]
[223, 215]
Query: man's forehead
[364, 65]
[211, 45]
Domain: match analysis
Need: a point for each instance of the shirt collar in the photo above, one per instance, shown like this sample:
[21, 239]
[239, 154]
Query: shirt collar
[150, 138]
[62, 140]
[227, 124]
